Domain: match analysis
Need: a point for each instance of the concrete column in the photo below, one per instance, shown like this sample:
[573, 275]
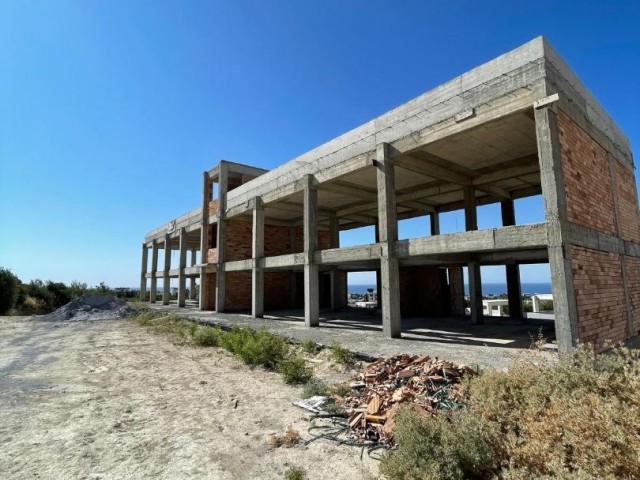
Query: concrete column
[310, 226]
[475, 293]
[553, 193]
[143, 273]
[153, 291]
[221, 242]
[182, 279]
[388, 235]
[192, 280]
[514, 290]
[470, 211]
[434, 219]
[257, 253]
[334, 238]
[166, 284]
[293, 290]
[207, 192]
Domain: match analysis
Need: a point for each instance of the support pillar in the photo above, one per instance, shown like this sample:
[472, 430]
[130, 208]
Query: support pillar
[143, 273]
[334, 239]
[166, 284]
[221, 241]
[207, 194]
[555, 210]
[310, 226]
[182, 279]
[192, 279]
[257, 254]
[470, 210]
[388, 235]
[514, 289]
[153, 291]
[293, 290]
[475, 293]
[434, 219]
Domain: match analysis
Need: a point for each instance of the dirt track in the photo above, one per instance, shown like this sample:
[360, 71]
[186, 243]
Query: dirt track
[109, 400]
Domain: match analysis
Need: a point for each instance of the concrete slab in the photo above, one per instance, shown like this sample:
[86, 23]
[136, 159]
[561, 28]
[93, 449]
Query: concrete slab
[495, 344]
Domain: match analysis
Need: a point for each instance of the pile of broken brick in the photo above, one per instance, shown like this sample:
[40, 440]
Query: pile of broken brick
[427, 383]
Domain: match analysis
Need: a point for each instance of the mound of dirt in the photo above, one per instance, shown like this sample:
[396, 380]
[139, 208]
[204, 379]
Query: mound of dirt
[91, 307]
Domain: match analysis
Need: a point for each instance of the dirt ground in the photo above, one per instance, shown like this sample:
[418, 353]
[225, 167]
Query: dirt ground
[110, 400]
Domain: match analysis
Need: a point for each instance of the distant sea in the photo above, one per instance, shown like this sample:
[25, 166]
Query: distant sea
[487, 288]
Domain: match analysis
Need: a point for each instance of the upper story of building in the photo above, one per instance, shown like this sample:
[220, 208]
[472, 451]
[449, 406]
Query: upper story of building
[475, 131]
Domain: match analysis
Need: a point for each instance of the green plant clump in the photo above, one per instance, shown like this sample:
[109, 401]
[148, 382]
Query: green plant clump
[575, 419]
[315, 387]
[294, 473]
[295, 370]
[206, 336]
[341, 355]
[454, 447]
[309, 347]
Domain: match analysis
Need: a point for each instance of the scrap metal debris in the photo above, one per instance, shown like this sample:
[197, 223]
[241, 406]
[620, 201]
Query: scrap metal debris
[427, 383]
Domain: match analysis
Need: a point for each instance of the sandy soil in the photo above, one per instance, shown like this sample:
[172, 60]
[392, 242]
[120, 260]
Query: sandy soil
[110, 400]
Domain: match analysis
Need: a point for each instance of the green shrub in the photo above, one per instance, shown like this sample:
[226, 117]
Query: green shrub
[256, 347]
[453, 447]
[315, 387]
[294, 473]
[206, 336]
[9, 290]
[341, 355]
[295, 370]
[309, 346]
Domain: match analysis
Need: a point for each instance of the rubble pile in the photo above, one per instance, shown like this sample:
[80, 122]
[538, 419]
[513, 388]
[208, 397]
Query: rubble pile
[426, 383]
[90, 307]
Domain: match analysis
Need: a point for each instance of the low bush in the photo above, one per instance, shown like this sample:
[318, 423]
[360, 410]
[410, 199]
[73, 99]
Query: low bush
[448, 447]
[341, 355]
[288, 439]
[9, 288]
[576, 419]
[206, 336]
[294, 473]
[309, 347]
[295, 370]
[315, 387]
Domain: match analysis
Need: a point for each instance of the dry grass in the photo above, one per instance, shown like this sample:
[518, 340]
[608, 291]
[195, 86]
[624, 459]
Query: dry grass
[290, 438]
[573, 420]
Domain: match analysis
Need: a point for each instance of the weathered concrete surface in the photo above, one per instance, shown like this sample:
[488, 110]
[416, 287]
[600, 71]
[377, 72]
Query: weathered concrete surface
[494, 344]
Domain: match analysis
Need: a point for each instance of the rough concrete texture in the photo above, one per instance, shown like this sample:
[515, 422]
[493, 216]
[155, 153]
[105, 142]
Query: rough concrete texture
[90, 307]
[494, 344]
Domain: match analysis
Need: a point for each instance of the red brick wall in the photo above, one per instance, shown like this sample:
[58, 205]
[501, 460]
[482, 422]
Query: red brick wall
[633, 277]
[277, 240]
[212, 255]
[456, 284]
[238, 291]
[209, 294]
[627, 203]
[586, 176]
[213, 207]
[239, 240]
[597, 279]
[420, 291]
[324, 239]
[277, 288]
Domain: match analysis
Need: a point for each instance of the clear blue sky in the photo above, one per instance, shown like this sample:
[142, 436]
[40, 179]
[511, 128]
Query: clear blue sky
[110, 111]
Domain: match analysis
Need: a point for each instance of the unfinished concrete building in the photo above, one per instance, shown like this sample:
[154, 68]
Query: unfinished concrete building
[520, 125]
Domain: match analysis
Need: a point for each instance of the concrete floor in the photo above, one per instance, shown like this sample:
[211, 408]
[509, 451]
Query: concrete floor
[494, 344]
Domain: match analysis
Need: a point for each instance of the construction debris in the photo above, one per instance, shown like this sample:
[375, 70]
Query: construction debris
[90, 307]
[426, 383]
